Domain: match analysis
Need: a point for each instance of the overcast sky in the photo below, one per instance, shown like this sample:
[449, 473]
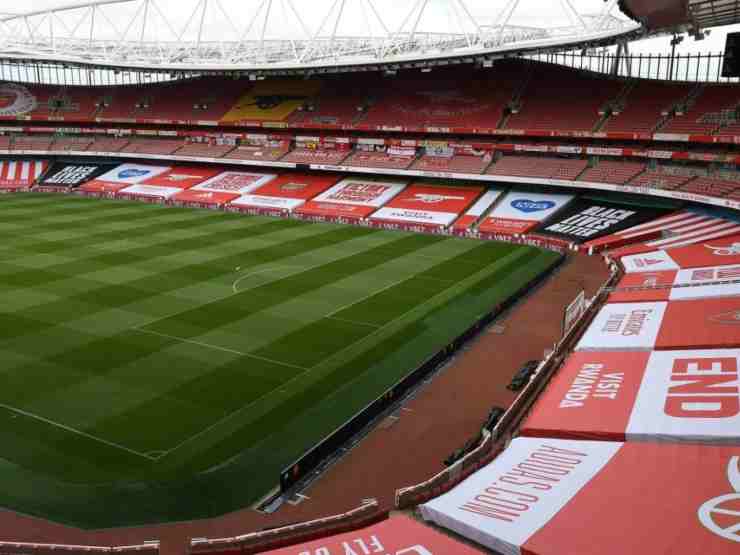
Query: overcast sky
[230, 19]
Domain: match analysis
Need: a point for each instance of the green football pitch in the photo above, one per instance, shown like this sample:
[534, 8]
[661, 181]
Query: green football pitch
[161, 364]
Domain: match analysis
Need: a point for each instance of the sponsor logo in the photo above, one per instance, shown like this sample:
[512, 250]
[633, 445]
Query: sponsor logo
[16, 100]
[530, 206]
[132, 173]
[592, 382]
[627, 324]
[703, 388]
[367, 546]
[647, 262]
[730, 250]
[592, 221]
[710, 274]
[291, 187]
[721, 515]
[433, 199]
[732, 317]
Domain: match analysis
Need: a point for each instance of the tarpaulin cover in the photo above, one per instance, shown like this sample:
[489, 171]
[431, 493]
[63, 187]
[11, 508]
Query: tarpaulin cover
[17, 174]
[555, 497]
[235, 182]
[132, 174]
[519, 212]
[183, 177]
[624, 326]
[694, 283]
[660, 396]
[98, 186]
[718, 252]
[399, 535]
[428, 204]
[474, 213]
[150, 191]
[73, 175]
[204, 197]
[288, 192]
[362, 192]
[587, 219]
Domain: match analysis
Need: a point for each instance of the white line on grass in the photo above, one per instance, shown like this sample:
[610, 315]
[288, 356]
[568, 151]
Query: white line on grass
[219, 348]
[75, 431]
[283, 387]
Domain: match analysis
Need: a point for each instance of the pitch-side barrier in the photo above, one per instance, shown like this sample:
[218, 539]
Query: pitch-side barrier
[17, 548]
[367, 514]
[493, 443]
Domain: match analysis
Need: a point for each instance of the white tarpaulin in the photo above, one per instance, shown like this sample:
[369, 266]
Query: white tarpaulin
[415, 216]
[132, 174]
[536, 207]
[260, 201]
[150, 191]
[624, 326]
[235, 182]
[362, 192]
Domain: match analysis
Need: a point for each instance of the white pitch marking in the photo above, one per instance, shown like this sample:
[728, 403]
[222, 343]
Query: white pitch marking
[219, 348]
[74, 431]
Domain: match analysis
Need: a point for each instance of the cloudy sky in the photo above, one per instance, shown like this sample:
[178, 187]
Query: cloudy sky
[236, 19]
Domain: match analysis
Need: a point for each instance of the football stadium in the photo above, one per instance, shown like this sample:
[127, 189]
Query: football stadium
[394, 277]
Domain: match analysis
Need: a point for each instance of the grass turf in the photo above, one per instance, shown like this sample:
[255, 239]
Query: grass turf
[166, 364]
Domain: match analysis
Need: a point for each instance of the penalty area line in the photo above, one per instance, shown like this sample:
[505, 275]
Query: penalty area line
[219, 348]
[75, 431]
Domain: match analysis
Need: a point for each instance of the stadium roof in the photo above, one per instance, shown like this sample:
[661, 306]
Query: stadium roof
[285, 35]
[668, 14]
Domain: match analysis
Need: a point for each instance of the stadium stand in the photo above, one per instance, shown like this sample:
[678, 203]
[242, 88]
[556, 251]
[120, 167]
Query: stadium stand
[539, 166]
[613, 171]
[105, 144]
[586, 95]
[645, 105]
[32, 143]
[205, 150]
[152, 146]
[316, 156]
[705, 110]
[661, 179]
[71, 143]
[453, 164]
[711, 186]
[383, 160]
[251, 152]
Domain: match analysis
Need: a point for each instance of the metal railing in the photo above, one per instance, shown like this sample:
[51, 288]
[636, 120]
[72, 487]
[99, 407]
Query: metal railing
[693, 68]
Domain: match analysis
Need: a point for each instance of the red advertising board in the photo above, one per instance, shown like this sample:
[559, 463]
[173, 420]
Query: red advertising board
[204, 198]
[331, 209]
[297, 186]
[102, 187]
[182, 177]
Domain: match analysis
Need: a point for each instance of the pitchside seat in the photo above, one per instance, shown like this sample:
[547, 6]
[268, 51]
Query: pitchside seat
[613, 171]
[538, 166]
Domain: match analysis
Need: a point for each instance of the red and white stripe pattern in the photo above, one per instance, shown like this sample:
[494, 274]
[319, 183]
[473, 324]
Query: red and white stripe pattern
[16, 174]
[682, 224]
[675, 231]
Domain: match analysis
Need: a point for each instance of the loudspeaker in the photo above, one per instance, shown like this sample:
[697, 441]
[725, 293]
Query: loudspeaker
[731, 65]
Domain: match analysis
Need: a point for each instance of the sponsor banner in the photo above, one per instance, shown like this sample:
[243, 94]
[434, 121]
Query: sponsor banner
[73, 175]
[261, 201]
[399, 535]
[660, 396]
[102, 187]
[694, 283]
[527, 500]
[203, 198]
[501, 508]
[132, 174]
[648, 262]
[518, 212]
[182, 177]
[424, 217]
[335, 210]
[361, 192]
[235, 182]
[430, 198]
[17, 174]
[297, 186]
[150, 191]
[588, 219]
[624, 327]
